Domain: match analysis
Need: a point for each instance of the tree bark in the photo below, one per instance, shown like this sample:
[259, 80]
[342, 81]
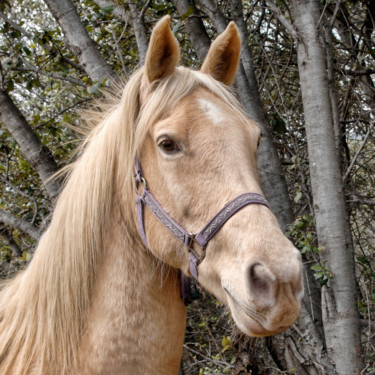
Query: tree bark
[79, 42]
[339, 297]
[38, 155]
[139, 30]
[194, 26]
[22, 225]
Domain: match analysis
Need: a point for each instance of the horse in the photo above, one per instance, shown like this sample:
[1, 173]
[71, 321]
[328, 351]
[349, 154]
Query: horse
[175, 152]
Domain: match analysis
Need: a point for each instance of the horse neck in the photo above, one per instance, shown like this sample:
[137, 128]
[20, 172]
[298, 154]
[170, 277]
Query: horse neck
[136, 322]
[130, 320]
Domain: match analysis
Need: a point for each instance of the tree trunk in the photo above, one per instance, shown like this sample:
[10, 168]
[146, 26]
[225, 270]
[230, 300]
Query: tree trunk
[79, 42]
[38, 155]
[139, 30]
[194, 26]
[339, 296]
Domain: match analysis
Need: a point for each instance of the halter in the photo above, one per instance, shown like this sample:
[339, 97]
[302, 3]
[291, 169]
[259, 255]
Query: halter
[188, 239]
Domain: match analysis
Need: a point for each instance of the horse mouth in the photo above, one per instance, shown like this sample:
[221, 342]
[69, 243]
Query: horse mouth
[249, 321]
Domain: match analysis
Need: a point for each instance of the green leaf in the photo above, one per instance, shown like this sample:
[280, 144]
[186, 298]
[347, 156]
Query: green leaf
[107, 9]
[27, 51]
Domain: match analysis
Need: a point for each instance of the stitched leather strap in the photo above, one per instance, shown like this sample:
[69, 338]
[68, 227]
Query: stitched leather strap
[205, 235]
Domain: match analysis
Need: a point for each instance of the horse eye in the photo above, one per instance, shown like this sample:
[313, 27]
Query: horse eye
[169, 146]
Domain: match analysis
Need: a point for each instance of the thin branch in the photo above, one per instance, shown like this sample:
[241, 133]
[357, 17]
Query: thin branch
[20, 192]
[335, 12]
[15, 26]
[366, 72]
[118, 49]
[58, 76]
[279, 14]
[358, 152]
[62, 112]
[358, 198]
[142, 12]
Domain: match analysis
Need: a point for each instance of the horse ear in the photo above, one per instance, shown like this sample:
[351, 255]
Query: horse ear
[163, 52]
[224, 55]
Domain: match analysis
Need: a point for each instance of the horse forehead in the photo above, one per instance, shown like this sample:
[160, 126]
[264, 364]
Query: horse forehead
[212, 110]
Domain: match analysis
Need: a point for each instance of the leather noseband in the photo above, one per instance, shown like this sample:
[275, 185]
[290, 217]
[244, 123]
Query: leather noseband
[188, 239]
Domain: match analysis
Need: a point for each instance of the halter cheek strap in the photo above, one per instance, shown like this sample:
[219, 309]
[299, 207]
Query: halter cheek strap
[188, 239]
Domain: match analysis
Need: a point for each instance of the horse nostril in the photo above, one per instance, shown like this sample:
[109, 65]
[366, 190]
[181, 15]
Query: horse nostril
[262, 284]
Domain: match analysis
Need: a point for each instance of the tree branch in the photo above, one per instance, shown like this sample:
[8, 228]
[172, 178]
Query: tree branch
[4, 232]
[29, 67]
[280, 16]
[139, 30]
[359, 199]
[358, 152]
[79, 41]
[27, 196]
[37, 154]
[23, 225]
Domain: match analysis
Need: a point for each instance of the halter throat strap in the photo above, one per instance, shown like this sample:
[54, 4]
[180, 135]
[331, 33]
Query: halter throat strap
[188, 239]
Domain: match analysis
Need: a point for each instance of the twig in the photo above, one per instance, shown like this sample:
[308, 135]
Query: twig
[217, 362]
[276, 10]
[19, 191]
[37, 70]
[62, 112]
[335, 12]
[142, 13]
[358, 152]
[119, 50]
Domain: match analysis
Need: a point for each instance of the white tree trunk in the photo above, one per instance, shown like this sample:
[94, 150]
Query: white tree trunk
[79, 42]
[38, 155]
[339, 297]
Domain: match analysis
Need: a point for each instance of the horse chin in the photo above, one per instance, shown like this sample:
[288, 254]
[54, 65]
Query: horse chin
[249, 324]
[252, 327]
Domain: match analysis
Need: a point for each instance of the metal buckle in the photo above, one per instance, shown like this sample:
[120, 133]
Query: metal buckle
[139, 180]
[192, 250]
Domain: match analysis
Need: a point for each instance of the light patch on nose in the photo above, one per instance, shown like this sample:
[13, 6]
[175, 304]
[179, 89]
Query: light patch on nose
[213, 112]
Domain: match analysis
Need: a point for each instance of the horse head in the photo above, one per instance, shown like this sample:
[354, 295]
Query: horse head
[198, 154]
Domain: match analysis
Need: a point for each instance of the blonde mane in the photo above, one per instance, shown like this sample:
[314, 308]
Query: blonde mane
[43, 310]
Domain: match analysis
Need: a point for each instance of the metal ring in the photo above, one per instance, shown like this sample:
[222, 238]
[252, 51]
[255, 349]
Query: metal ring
[138, 183]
